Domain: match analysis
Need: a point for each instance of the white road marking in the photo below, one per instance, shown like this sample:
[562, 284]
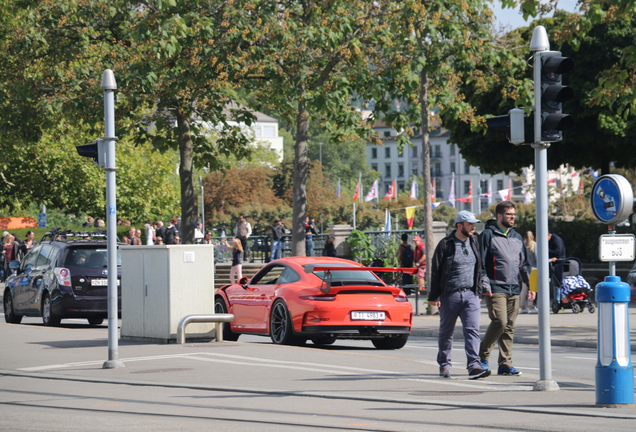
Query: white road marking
[582, 358]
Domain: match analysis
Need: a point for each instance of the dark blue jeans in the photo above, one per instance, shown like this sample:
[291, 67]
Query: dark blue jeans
[466, 306]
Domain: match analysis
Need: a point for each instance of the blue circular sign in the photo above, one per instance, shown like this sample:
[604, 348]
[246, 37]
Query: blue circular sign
[612, 198]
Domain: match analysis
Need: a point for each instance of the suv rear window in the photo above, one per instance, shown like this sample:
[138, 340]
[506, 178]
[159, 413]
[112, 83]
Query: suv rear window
[88, 257]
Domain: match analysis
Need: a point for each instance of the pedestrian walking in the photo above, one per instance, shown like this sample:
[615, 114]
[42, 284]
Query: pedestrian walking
[419, 261]
[243, 231]
[556, 253]
[329, 250]
[527, 297]
[237, 265]
[277, 239]
[310, 231]
[160, 232]
[198, 233]
[405, 256]
[150, 232]
[455, 288]
[171, 231]
[504, 258]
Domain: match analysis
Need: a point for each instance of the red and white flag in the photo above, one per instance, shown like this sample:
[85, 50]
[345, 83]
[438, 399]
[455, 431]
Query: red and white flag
[470, 192]
[391, 193]
[451, 194]
[357, 194]
[433, 191]
[373, 193]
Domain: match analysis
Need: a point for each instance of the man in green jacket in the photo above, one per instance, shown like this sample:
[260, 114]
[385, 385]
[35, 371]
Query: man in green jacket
[504, 258]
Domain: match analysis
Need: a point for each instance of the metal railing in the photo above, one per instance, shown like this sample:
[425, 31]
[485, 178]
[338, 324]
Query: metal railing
[259, 248]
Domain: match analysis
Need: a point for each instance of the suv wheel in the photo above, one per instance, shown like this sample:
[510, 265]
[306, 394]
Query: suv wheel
[48, 318]
[9, 314]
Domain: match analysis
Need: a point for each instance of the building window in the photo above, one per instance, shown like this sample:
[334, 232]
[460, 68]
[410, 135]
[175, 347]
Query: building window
[438, 189]
[374, 153]
[484, 186]
[452, 150]
[387, 152]
[466, 168]
[374, 167]
[467, 206]
[466, 187]
[438, 169]
[387, 134]
[414, 171]
[400, 187]
[269, 131]
[257, 131]
[387, 170]
[400, 152]
[517, 189]
[452, 167]
[414, 152]
[438, 152]
[499, 185]
[401, 170]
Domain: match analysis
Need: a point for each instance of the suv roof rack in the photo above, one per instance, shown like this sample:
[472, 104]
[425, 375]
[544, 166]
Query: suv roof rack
[67, 234]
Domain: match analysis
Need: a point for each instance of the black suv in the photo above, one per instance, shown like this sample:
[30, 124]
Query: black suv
[64, 276]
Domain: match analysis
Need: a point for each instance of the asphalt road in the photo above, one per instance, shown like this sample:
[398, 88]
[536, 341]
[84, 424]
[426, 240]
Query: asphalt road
[52, 380]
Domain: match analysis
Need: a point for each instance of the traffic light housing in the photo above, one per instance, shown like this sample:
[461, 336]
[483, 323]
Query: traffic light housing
[553, 94]
[95, 150]
[512, 124]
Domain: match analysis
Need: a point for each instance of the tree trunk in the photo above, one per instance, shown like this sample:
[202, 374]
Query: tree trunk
[426, 168]
[301, 168]
[185, 176]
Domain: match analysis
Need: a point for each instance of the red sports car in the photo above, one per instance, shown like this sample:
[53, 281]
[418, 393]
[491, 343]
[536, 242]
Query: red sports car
[318, 298]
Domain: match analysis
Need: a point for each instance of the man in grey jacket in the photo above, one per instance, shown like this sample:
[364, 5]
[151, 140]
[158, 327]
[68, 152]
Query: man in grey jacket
[455, 288]
[504, 257]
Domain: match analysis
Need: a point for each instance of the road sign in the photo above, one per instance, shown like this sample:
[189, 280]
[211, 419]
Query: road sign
[612, 199]
[617, 247]
[42, 220]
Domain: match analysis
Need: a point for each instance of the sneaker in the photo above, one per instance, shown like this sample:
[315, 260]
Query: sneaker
[533, 311]
[478, 372]
[444, 372]
[484, 365]
[523, 311]
[508, 370]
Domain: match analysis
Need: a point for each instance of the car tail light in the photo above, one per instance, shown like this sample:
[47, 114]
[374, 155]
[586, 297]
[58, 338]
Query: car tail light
[401, 298]
[63, 276]
[318, 298]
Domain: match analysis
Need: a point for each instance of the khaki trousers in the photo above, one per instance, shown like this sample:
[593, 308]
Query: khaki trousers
[502, 310]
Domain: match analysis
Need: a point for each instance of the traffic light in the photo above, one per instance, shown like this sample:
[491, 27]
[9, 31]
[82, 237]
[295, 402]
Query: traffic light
[512, 124]
[95, 150]
[553, 94]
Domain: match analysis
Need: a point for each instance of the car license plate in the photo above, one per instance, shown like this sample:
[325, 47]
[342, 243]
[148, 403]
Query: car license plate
[101, 282]
[367, 316]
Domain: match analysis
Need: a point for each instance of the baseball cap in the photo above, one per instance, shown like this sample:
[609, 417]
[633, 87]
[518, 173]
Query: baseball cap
[417, 238]
[466, 216]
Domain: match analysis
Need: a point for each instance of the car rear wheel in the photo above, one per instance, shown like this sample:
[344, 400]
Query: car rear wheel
[220, 308]
[95, 321]
[280, 325]
[9, 313]
[390, 342]
[48, 317]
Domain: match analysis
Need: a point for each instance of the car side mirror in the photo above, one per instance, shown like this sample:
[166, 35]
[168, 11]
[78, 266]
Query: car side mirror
[243, 281]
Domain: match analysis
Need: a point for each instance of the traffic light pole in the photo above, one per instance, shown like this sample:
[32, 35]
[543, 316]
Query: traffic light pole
[546, 383]
[109, 85]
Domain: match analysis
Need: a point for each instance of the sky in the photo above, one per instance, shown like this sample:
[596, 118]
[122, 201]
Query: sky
[513, 19]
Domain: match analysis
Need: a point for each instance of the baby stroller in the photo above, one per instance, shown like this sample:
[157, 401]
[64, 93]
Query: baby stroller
[573, 291]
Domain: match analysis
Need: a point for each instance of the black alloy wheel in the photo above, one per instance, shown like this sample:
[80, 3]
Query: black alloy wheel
[48, 317]
[9, 313]
[280, 325]
[220, 308]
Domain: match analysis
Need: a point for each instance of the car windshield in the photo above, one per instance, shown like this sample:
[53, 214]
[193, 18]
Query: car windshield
[89, 257]
[347, 277]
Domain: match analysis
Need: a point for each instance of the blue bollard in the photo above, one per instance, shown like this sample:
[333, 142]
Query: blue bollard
[614, 371]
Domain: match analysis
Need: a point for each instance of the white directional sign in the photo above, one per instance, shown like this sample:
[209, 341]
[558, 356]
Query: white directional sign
[618, 247]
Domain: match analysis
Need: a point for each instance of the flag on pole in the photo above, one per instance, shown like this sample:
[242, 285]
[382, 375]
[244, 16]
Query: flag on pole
[387, 222]
[358, 193]
[373, 193]
[470, 192]
[504, 194]
[338, 189]
[552, 180]
[410, 216]
[527, 198]
[433, 192]
[435, 205]
[391, 193]
[451, 194]
[414, 189]
[489, 192]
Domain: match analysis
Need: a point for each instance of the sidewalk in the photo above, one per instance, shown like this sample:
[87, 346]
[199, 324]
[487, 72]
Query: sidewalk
[566, 328]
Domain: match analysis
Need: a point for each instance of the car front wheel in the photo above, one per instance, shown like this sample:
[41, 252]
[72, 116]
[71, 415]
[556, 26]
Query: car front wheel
[220, 308]
[48, 317]
[9, 313]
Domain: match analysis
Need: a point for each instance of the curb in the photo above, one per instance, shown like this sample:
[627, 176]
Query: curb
[518, 339]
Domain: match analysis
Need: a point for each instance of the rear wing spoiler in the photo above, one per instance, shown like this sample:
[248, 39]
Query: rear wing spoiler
[317, 267]
[328, 269]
